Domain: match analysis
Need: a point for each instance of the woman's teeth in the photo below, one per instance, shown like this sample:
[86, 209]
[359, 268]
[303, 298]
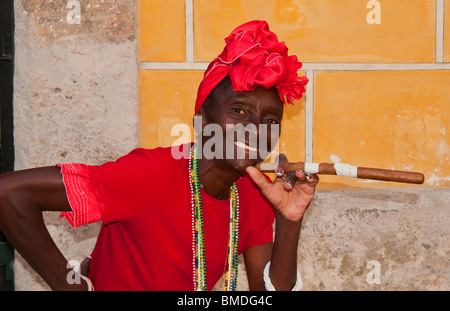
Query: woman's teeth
[242, 145]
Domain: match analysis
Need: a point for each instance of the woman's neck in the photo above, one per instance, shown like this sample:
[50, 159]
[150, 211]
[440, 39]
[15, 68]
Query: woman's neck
[215, 179]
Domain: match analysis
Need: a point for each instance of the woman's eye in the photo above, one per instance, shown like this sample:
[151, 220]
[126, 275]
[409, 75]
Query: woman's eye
[238, 110]
[271, 121]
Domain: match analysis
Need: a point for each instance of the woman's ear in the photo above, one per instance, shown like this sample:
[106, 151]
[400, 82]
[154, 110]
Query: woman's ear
[199, 121]
[201, 115]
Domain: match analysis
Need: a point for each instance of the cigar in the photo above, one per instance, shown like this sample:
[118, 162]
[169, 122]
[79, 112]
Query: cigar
[348, 171]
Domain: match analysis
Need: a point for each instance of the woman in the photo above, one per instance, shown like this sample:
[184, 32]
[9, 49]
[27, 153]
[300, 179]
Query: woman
[179, 224]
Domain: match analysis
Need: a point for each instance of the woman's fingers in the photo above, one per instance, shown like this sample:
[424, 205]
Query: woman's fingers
[85, 267]
[312, 180]
[258, 177]
[290, 179]
[282, 162]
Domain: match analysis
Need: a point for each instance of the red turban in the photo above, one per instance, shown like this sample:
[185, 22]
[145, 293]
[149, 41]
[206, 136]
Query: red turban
[253, 57]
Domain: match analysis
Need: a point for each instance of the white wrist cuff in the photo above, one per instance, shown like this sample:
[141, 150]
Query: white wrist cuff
[268, 283]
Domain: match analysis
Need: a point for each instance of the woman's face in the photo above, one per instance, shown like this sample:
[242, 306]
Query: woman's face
[249, 123]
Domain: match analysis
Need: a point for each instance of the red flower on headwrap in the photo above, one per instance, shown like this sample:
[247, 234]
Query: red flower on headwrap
[253, 57]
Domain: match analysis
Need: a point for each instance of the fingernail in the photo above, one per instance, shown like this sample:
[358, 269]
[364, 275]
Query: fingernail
[279, 171]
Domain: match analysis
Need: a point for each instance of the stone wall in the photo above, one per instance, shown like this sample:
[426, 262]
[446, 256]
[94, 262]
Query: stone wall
[75, 98]
[349, 234]
[391, 240]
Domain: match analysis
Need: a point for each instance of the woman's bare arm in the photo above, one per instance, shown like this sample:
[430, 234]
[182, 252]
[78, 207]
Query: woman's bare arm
[24, 195]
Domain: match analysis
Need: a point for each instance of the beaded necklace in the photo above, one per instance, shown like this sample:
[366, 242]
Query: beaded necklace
[198, 246]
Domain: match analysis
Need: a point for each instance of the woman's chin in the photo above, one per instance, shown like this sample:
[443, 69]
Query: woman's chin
[240, 165]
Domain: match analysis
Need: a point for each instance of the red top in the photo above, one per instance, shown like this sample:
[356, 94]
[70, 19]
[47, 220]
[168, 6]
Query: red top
[144, 201]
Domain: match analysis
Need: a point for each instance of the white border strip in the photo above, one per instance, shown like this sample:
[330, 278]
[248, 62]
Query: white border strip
[309, 66]
[440, 31]
[309, 118]
[189, 28]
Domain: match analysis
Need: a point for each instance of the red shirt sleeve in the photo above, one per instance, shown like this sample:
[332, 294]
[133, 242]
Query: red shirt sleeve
[80, 195]
[110, 192]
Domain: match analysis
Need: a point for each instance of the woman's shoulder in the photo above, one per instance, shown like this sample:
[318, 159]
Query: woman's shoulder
[160, 154]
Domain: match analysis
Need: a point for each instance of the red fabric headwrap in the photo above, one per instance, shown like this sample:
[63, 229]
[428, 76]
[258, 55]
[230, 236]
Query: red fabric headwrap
[253, 57]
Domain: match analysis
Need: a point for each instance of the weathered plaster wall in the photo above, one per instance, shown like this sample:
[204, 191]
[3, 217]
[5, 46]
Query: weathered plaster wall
[405, 231]
[348, 234]
[75, 98]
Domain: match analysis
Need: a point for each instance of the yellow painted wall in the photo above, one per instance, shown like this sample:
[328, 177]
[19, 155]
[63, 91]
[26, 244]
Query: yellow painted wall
[393, 120]
[161, 30]
[392, 111]
[166, 98]
[326, 30]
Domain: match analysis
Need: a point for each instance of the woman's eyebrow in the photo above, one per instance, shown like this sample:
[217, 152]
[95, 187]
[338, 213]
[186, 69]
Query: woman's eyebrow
[275, 110]
[244, 100]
